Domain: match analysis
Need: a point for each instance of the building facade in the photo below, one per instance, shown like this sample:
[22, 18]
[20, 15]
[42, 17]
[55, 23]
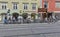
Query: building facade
[19, 6]
[52, 5]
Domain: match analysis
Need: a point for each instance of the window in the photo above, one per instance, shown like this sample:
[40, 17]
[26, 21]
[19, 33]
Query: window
[25, 6]
[4, 6]
[45, 4]
[57, 4]
[33, 6]
[15, 6]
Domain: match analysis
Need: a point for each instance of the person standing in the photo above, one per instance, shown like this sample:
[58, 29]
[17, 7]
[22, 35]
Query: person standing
[5, 20]
[13, 18]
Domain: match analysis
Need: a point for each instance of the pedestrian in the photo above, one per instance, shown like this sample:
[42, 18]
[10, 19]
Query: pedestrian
[13, 18]
[49, 16]
[5, 20]
[28, 20]
[9, 20]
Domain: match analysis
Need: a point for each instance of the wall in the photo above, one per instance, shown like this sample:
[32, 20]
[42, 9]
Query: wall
[51, 4]
[20, 5]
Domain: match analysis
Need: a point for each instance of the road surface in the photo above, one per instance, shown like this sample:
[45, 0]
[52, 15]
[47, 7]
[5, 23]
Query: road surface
[30, 30]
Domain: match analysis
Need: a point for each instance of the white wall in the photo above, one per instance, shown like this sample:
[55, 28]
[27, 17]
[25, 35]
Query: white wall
[40, 3]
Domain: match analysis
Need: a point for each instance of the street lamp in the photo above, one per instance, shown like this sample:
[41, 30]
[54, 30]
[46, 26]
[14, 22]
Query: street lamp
[8, 12]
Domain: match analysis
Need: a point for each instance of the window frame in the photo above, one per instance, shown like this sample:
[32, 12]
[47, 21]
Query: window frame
[56, 4]
[33, 6]
[46, 2]
[25, 6]
[3, 5]
[15, 6]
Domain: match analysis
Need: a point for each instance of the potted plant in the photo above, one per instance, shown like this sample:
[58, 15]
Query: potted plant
[25, 15]
[33, 15]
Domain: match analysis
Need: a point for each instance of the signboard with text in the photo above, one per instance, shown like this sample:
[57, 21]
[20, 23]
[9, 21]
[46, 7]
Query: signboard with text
[42, 10]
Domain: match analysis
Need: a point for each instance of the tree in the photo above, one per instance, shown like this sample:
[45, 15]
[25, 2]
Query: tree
[15, 15]
[25, 15]
[33, 15]
[3, 13]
